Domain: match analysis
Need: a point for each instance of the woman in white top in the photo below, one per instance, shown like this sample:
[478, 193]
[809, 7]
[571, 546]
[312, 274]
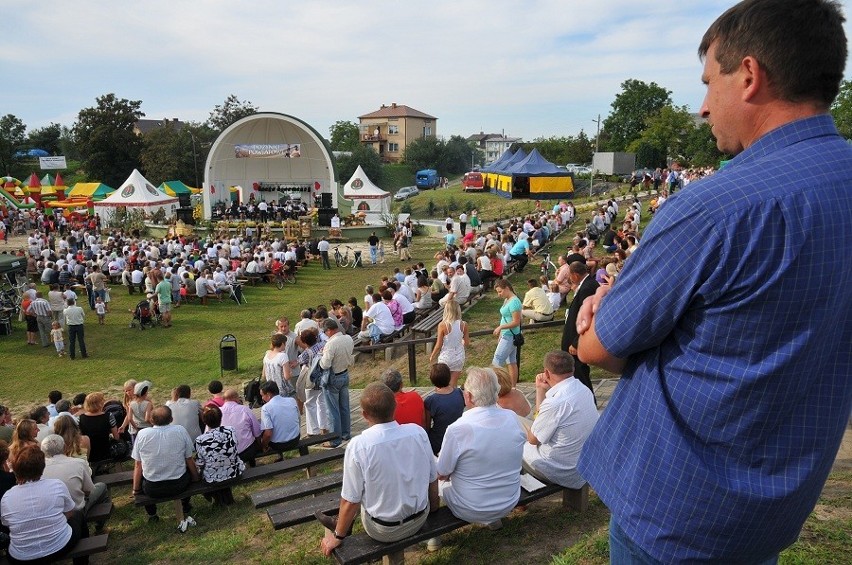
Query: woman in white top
[276, 366]
[452, 339]
[423, 297]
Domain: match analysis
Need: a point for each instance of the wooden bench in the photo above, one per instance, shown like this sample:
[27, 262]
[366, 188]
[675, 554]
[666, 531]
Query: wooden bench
[126, 477]
[100, 512]
[427, 326]
[296, 490]
[251, 474]
[360, 548]
[85, 547]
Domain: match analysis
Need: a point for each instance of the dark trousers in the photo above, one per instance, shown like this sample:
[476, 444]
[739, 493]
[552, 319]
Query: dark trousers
[248, 454]
[581, 373]
[78, 532]
[325, 263]
[462, 228]
[408, 318]
[76, 335]
[281, 447]
[522, 261]
[164, 489]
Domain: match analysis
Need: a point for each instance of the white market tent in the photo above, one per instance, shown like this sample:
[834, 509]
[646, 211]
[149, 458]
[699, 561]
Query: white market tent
[366, 197]
[136, 193]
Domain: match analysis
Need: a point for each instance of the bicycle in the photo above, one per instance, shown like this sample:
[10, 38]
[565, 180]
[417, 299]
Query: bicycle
[286, 275]
[548, 268]
[342, 260]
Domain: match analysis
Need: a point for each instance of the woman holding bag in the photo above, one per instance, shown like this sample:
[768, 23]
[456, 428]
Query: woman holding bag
[509, 330]
[316, 417]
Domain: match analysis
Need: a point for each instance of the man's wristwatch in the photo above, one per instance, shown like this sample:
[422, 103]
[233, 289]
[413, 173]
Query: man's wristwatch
[338, 536]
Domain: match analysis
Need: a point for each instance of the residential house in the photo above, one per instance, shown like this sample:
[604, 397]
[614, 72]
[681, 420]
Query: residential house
[493, 144]
[390, 129]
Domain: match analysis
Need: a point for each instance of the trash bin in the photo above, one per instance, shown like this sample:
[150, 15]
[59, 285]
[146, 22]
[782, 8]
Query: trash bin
[228, 354]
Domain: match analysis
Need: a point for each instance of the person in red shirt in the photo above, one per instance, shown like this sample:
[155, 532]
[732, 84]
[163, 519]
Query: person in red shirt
[409, 405]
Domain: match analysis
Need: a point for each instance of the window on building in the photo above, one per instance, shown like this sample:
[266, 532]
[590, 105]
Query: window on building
[427, 130]
[393, 147]
[393, 129]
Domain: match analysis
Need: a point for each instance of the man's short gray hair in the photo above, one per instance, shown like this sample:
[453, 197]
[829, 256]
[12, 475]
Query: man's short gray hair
[53, 445]
[330, 324]
[393, 379]
[482, 385]
[63, 406]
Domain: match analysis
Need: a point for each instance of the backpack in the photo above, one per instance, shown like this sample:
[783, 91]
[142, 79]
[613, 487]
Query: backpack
[251, 393]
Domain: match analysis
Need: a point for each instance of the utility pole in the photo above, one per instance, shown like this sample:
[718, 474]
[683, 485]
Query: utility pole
[597, 148]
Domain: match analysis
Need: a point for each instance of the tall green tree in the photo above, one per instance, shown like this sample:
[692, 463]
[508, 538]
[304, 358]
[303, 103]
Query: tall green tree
[369, 160]
[12, 139]
[632, 106]
[664, 137]
[424, 153]
[841, 109]
[46, 138]
[700, 148]
[170, 153]
[105, 138]
[231, 111]
[344, 136]
[456, 156]
[561, 150]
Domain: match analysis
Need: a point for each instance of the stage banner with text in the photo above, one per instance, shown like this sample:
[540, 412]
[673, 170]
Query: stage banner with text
[267, 150]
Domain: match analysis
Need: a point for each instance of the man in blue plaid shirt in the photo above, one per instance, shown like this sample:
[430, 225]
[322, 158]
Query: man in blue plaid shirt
[737, 364]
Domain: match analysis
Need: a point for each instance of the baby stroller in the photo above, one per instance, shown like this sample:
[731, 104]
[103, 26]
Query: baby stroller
[145, 315]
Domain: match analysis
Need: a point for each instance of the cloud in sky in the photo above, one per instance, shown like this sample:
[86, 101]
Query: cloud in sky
[530, 69]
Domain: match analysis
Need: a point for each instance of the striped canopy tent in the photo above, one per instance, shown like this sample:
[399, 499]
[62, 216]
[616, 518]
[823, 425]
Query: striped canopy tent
[138, 194]
[175, 187]
[95, 190]
[534, 177]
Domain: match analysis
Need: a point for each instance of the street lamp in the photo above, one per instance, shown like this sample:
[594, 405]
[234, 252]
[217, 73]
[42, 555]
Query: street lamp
[597, 147]
[194, 157]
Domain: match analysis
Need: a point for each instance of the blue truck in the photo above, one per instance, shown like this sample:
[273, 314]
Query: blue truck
[427, 178]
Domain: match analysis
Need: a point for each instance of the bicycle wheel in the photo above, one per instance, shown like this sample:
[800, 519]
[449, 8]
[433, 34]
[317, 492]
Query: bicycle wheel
[279, 282]
[344, 261]
[291, 278]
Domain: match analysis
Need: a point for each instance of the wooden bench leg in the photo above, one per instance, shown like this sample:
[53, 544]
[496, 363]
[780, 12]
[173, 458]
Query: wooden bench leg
[397, 558]
[576, 499]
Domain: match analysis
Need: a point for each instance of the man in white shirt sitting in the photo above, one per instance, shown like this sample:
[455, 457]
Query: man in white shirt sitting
[74, 472]
[566, 416]
[479, 466]
[377, 322]
[389, 474]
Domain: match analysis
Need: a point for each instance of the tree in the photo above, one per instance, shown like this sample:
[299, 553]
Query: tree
[700, 149]
[11, 140]
[561, 150]
[841, 109]
[632, 106]
[345, 136]
[456, 156]
[231, 111]
[369, 160]
[423, 153]
[663, 137]
[106, 140]
[46, 138]
[176, 154]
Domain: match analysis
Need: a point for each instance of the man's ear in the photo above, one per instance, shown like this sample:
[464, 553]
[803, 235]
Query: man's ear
[752, 77]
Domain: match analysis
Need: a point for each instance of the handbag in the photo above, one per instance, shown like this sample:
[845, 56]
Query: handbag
[518, 339]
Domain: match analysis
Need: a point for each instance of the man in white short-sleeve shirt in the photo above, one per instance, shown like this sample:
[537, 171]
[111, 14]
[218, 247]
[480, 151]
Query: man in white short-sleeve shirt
[479, 467]
[566, 416]
[389, 474]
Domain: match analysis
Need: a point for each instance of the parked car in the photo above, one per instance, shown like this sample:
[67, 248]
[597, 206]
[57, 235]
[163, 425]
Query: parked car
[406, 192]
[472, 182]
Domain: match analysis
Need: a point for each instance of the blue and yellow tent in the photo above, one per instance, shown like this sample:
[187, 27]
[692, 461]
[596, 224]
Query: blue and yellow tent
[529, 176]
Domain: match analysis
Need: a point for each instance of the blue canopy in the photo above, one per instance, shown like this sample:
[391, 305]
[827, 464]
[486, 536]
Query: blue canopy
[519, 156]
[504, 156]
[535, 164]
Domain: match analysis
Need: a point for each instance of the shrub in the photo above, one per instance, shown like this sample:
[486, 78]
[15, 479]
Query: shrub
[431, 208]
[452, 205]
[405, 208]
[468, 206]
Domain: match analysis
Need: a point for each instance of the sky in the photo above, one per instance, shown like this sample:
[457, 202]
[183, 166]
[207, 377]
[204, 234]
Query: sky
[527, 69]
